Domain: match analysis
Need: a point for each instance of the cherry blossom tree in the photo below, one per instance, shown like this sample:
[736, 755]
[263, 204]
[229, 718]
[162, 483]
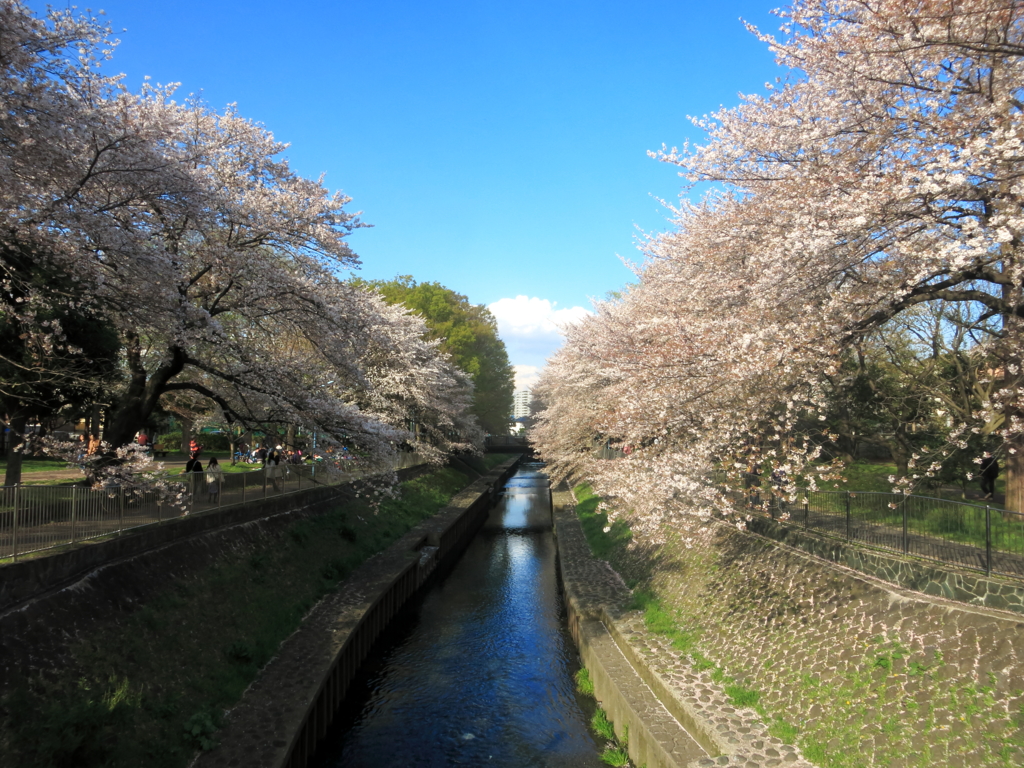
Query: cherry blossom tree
[186, 233]
[884, 173]
[412, 381]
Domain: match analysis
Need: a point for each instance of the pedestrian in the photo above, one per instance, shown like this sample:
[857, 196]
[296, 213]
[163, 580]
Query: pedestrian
[272, 467]
[989, 473]
[193, 469]
[214, 478]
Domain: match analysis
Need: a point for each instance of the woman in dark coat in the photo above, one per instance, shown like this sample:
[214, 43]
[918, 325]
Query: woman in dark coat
[989, 473]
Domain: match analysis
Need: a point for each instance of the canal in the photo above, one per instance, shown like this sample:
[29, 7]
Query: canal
[480, 670]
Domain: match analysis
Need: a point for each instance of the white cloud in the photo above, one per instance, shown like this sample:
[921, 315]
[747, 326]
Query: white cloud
[532, 328]
[526, 376]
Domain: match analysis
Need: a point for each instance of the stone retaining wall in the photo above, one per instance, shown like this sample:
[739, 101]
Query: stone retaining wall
[867, 673]
[674, 716]
[49, 602]
[288, 709]
[920, 576]
[29, 578]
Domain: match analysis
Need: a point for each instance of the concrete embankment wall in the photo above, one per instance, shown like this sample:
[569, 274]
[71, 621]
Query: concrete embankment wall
[670, 714]
[853, 670]
[49, 602]
[28, 579]
[288, 709]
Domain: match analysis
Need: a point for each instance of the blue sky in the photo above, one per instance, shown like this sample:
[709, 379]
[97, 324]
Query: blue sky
[497, 148]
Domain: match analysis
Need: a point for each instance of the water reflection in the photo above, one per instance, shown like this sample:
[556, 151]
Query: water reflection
[480, 673]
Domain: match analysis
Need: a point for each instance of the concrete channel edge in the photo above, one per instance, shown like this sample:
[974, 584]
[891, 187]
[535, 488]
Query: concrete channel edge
[676, 717]
[288, 709]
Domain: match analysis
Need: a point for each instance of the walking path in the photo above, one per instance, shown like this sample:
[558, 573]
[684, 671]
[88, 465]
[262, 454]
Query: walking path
[917, 545]
[173, 466]
[38, 517]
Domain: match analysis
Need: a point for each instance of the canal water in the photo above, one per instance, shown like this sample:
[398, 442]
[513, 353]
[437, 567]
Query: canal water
[480, 671]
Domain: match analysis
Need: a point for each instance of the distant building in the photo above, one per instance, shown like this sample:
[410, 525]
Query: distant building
[521, 400]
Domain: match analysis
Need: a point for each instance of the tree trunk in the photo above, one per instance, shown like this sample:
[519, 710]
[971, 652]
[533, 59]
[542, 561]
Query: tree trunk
[14, 440]
[186, 435]
[131, 411]
[1015, 478]
[901, 450]
[95, 418]
[1013, 382]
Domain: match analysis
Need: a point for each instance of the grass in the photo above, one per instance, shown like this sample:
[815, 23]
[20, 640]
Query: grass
[602, 542]
[35, 466]
[602, 725]
[938, 512]
[150, 688]
[30, 465]
[941, 518]
[616, 756]
[491, 460]
[741, 696]
[615, 752]
[873, 476]
[583, 682]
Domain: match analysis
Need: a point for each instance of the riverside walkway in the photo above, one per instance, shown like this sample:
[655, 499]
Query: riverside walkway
[34, 518]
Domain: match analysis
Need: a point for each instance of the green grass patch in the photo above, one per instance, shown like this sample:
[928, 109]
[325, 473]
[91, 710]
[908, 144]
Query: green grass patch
[658, 620]
[617, 756]
[491, 460]
[874, 476]
[583, 682]
[151, 689]
[30, 465]
[741, 696]
[814, 751]
[936, 512]
[602, 725]
[615, 750]
[603, 543]
[783, 731]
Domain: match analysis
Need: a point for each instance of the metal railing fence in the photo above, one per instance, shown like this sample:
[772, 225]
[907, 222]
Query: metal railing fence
[34, 518]
[953, 532]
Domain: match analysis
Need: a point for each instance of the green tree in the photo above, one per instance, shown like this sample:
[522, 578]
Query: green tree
[55, 357]
[913, 384]
[469, 334]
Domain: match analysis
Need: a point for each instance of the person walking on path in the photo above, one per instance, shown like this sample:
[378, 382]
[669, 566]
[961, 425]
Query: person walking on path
[273, 467]
[214, 478]
[194, 470]
[989, 473]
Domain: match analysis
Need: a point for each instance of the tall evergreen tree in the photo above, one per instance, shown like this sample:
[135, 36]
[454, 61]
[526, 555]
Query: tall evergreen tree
[469, 334]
